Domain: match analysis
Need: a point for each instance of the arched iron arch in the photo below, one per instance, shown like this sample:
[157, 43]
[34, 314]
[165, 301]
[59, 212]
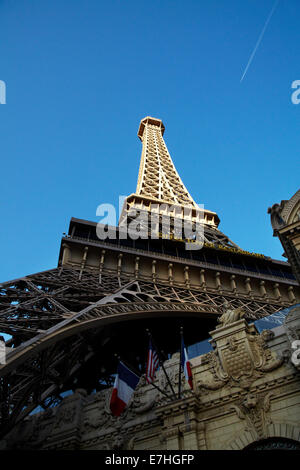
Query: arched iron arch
[47, 309]
[45, 357]
[114, 313]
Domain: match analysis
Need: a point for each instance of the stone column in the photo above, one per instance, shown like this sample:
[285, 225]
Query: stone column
[66, 254]
[136, 269]
[276, 291]
[263, 291]
[218, 281]
[186, 276]
[202, 279]
[201, 437]
[189, 431]
[291, 295]
[180, 422]
[248, 285]
[233, 283]
[170, 273]
[172, 438]
[154, 270]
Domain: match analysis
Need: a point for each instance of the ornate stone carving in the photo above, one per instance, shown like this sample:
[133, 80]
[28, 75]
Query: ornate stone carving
[143, 402]
[170, 432]
[292, 330]
[218, 380]
[130, 443]
[118, 442]
[100, 415]
[240, 358]
[34, 431]
[65, 416]
[265, 359]
[230, 315]
[254, 408]
[117, 432]
[275, 211]
[290, 208]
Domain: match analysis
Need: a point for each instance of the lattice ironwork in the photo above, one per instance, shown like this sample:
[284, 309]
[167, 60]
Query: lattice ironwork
[158, 177]
[53, 317]
[160, 184]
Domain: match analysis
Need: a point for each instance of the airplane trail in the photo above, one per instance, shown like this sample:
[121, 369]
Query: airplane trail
[259, 39]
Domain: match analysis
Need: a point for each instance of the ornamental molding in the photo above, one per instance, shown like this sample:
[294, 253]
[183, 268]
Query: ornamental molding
[289, 208]
[286, 212]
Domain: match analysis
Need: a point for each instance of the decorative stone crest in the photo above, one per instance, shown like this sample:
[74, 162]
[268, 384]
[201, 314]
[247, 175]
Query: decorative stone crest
[240, 357]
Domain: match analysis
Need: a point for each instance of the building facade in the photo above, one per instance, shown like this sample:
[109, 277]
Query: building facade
[246, 395]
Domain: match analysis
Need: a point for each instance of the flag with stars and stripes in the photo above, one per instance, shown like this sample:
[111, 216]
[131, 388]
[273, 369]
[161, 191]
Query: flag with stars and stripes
[152, 363]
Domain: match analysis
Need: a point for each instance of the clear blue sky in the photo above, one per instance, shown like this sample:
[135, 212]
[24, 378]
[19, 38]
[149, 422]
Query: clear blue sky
[81, 74]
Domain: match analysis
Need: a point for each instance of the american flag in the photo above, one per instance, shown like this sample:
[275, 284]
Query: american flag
[152, 363]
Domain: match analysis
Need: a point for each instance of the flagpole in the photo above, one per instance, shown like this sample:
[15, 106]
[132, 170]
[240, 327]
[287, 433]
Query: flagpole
[159, 389]
[180, 361]
[134, 370]
[125, 384]
[139, 375]
[161, 363]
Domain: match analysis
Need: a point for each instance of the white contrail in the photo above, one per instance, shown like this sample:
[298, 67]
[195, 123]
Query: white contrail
[259, 39]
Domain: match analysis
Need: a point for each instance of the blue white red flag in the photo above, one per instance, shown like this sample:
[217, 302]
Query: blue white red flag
[124, 386]
[152, 363]
[186, 365]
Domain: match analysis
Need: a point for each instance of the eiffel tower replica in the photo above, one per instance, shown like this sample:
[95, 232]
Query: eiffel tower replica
[67, 324]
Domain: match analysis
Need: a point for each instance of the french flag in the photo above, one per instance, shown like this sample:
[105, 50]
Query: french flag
[185, 363]
[124, 386]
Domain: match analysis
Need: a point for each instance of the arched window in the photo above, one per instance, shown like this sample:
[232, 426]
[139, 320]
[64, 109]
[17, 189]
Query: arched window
[274, 443]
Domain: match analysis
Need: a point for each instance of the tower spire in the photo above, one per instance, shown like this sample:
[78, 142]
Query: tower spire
[161, 191]
[158, 178]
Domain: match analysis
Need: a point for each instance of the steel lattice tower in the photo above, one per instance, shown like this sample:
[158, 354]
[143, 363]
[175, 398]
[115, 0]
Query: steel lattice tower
[66, 323]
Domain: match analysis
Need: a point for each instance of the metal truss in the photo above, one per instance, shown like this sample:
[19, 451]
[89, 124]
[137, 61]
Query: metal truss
[158, 177]
[53, 316]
